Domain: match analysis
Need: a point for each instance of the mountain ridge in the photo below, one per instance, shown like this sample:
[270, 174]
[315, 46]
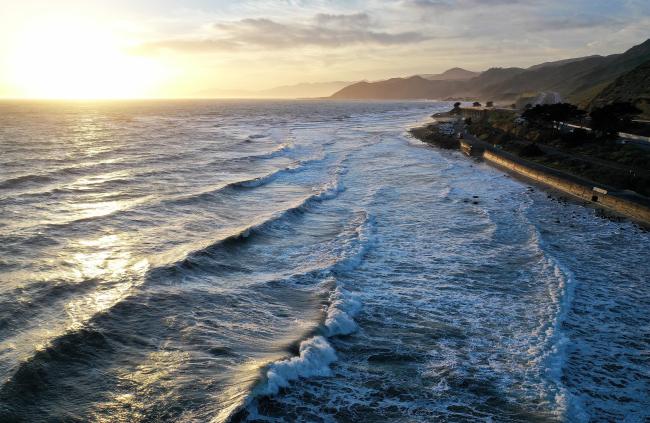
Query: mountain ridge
[452, 74]
[300, 90]
[578, 80]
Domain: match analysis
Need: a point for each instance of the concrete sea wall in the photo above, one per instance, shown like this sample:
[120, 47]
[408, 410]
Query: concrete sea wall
[626, 204]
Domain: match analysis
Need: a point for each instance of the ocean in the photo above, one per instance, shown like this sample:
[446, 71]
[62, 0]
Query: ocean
[301, 261]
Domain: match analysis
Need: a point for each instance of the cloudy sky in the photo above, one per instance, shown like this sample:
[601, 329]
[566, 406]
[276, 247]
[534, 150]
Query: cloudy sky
[197, 47]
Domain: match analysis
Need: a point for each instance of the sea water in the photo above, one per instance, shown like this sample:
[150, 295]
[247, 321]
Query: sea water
[302, 261]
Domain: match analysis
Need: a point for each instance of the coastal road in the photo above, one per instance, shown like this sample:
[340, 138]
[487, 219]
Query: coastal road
[636, 139]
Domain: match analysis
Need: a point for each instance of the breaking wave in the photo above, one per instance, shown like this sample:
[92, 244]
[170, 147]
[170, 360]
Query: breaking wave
[316, 354]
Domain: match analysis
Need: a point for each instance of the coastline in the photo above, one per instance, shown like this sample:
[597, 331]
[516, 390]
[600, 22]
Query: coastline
[625, 204]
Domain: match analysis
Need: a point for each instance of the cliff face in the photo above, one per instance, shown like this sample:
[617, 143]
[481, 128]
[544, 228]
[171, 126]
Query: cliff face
[633, 86]
[578, 80]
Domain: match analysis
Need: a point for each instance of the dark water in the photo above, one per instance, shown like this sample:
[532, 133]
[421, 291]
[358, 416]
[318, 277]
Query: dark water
[300, 261]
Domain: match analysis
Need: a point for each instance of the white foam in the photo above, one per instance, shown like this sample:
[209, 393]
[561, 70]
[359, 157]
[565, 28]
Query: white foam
[365, 239]
[331, 190]
[316, 354]
[340, 313]
[263, 180]
[555, 355]
[296, 167]
[280, 149]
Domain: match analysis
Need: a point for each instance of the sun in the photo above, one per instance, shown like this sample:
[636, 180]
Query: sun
[77, 60]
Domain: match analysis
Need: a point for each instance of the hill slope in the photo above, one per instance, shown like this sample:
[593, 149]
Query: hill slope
[560, 62]
[453, 74]
[577, 80]
[414, 87]
[417, 87]
[634, 86]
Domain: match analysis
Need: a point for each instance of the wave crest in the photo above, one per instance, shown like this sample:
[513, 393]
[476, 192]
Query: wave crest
[340, 313]
[315, 356]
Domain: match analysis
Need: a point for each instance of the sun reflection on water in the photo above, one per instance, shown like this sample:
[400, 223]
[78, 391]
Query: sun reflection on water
[158, 373]
[106, 260]
[106, 271]
[88, 210]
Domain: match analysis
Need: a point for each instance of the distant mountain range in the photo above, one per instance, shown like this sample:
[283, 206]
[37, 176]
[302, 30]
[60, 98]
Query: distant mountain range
[561, 62]
[577, 80]
[303, 90]
[322, 89]
[453, 74]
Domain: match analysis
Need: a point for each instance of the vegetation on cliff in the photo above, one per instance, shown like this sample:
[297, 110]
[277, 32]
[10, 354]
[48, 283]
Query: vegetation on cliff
[592, 155]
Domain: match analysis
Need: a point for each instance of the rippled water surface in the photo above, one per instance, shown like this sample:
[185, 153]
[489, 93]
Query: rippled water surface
[300, 262]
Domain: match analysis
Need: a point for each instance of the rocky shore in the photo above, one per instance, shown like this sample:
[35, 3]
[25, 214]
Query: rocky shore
[449, 132]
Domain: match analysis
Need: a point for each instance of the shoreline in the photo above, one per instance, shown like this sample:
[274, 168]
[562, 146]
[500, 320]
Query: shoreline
[628, 205]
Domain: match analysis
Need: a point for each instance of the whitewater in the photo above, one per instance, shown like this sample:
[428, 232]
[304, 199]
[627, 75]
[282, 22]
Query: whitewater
[301, 261]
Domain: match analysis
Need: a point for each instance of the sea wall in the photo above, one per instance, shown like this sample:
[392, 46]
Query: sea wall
[623, 203]
[470, 149]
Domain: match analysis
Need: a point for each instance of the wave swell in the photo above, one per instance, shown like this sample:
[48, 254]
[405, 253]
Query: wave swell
[328, 192]
[316, 354]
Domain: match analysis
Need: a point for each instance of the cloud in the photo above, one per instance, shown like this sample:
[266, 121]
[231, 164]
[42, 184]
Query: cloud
[323, 30]
[356, 20]
[452, 5]
[581, 21]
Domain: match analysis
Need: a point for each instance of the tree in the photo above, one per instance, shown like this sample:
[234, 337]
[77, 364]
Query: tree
[565, 112]
[531, 150]
[609, 120]
[577, 137]
[534, 114]
[456, 109]
[552, 114]
[476, 104]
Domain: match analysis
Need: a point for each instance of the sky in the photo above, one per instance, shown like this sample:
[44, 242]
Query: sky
[203, 48]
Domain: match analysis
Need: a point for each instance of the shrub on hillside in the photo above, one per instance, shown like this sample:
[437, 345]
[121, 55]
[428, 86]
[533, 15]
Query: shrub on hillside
[609, 120]
[549, 115]
[577, 138]
[531, 150]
